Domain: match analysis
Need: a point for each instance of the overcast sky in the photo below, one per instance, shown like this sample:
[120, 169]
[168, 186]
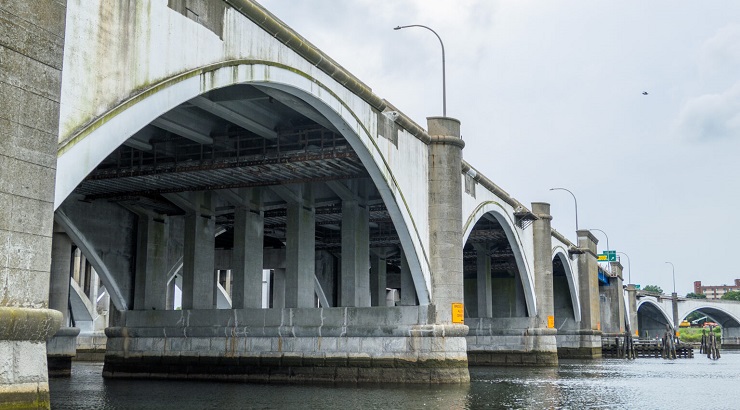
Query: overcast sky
[550, 94]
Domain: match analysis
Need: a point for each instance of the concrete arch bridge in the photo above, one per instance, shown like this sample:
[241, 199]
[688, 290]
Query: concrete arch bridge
[655, 312]
[255, 212]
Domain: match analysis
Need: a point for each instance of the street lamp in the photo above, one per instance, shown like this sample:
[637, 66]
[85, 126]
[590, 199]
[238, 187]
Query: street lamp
[673, 269]
[629, 268]
[607, 237]
[574, 200]
[444, 85]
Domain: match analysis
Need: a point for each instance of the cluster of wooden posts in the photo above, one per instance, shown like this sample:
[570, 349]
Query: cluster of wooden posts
[709, 345]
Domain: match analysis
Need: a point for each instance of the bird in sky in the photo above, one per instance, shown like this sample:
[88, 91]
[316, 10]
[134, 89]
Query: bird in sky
[644, 93]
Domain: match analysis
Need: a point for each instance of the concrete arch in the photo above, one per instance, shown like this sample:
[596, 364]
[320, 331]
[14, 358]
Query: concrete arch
[721, 316]
[562, 254]
[85, 149]
[652, 319]
[504, 219]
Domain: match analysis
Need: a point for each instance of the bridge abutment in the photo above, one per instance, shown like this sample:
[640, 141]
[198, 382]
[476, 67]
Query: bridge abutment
[611, 297]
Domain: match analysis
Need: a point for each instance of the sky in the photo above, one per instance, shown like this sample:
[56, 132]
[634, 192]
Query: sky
[550, 94]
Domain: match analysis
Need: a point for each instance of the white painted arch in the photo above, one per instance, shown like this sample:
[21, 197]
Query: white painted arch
[506, 221]
[86, 148]
[658, 306]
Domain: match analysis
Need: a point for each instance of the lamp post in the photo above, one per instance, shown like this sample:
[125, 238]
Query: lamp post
[629, 268]
[574, 200]
[673, 270]
[444, 84]
[607, 237]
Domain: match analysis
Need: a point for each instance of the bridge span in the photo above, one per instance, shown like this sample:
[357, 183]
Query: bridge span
[655, 312]
[254, 212]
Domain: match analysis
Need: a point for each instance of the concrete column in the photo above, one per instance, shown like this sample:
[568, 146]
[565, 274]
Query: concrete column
[378, 277]
[408, 291]
[32, 44]
[300, 250]
[61, 263]
[247, 257]
[674, 304]
[278, 288]
[632, 302]
[76, 265]
[445, 215]
[355, 280]
[588, 282]
[484, 286]
[543, 279]
[616, 286]
[150, 290]
[198, 279]
[171, 294]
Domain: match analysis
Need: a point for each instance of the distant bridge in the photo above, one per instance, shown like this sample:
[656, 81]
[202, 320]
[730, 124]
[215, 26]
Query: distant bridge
[655, 312]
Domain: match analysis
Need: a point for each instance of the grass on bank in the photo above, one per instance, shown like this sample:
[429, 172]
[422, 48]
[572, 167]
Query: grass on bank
[693, 334]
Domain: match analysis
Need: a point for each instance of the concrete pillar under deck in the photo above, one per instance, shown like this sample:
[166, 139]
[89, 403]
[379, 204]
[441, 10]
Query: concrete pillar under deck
[62, 347]
[483, 281]
[247, 258]
[408, 291]
[378, 269]
[198, 279]
[300, 255]
[355, 280]
[150, 291]
[278, 288]
[674, 308]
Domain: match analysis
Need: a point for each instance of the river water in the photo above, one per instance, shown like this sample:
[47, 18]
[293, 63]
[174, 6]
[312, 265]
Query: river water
[608, 384]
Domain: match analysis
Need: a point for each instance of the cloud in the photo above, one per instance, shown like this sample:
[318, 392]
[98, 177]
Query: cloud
[712, 116]
[720, 55]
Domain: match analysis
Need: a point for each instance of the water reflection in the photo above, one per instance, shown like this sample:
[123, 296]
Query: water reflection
[611, 383]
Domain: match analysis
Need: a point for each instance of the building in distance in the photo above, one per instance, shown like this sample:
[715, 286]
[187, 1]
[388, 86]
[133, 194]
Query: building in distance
[715, 291]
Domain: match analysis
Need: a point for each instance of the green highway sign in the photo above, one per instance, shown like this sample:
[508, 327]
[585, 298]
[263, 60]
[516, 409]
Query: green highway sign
[607, 256]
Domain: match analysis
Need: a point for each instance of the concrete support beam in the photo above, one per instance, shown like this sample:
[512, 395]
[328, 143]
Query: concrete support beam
[198, 261]
[247, 258]
[408, 291]
[150, 291]
[61, 265]
[445, 216]
[278, 288]
[378, 276]
[355, 279]
[233, 117]
[483, 282]
[300, 250]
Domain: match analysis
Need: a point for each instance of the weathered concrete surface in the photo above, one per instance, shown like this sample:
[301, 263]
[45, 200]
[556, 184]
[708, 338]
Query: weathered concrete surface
[31, 50]
[334, 345]
[611, 299]
[510, 341]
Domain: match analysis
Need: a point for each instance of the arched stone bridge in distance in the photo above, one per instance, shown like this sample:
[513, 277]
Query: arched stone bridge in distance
[215, 153]
[655, 312]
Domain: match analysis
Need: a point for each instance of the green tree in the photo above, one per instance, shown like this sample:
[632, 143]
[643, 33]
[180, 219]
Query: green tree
[732, 295]
[653, 289]
[693, 295]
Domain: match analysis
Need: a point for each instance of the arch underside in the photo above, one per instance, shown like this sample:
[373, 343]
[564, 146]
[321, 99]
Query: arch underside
[270, 137]
[496, 282]
[652, 320]
[567, 309]
[717, 315]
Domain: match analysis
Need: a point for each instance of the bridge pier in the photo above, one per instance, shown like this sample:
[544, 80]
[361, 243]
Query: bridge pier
[30, 84]
[632, 304]
[611, 298]
[62, 347]
[585, 343]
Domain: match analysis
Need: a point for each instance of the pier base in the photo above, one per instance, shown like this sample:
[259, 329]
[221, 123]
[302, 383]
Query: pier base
[510, 342]
[579, 344]
[327, 345]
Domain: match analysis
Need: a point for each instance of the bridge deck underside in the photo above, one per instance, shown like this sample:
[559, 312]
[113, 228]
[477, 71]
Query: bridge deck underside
[243, 137]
